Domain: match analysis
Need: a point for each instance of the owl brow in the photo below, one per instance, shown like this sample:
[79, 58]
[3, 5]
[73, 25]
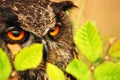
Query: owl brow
[46, 31]
[10, 28]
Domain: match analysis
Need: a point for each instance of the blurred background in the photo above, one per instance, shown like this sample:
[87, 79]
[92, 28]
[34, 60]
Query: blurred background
[106, 14]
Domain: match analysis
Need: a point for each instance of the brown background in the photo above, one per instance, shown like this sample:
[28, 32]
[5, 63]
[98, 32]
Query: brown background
[106, 13]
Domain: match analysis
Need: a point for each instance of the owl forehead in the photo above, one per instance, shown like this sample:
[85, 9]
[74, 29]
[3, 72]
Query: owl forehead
[35, 16]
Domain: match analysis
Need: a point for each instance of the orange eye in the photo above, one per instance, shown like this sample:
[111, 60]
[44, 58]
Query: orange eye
[16, 35]
[54, 31]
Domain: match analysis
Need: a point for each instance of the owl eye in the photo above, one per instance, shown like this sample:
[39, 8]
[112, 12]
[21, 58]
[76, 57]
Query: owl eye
[54, 31]
[16, 35]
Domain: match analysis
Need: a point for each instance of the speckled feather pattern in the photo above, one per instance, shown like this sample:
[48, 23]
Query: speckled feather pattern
[37, 17]
[34, 13]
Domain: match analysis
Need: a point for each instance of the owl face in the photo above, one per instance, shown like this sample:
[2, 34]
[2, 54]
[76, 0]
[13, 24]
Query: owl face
[25, 22]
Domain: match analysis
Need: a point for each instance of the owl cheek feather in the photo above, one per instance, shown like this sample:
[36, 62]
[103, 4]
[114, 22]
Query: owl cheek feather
[14, 76]
[14, 48]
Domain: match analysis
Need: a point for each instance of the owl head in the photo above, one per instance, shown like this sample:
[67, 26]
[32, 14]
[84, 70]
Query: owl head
[25, 22]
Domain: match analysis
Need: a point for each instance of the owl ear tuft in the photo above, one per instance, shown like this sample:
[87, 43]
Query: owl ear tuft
[67, 5]
[64, 5]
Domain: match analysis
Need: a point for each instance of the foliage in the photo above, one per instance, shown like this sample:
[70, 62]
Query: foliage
[54, 72]
[103, 66]
[93, 62]
[107, 71]
[89, 42]
[27, 58]
[30, 57]
[115, 50]
[5, 66]
[79, 70]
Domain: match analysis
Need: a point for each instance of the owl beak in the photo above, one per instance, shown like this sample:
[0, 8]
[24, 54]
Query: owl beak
[45, 50]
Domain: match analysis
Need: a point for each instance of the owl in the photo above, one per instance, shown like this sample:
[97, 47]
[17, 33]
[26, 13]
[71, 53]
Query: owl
[25, 22]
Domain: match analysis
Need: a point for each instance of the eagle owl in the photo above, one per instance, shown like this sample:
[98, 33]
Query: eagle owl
[25, 22]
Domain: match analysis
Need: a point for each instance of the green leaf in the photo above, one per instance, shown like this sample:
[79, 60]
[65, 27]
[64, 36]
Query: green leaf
[5, 66]
[29, 57]
[115, 50]
[54, 73]
[88, 41]
[107, 71]
[79, 70]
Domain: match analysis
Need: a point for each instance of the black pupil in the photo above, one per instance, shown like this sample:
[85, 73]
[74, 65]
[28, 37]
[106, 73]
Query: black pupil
[16, 33]
[52, 29]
